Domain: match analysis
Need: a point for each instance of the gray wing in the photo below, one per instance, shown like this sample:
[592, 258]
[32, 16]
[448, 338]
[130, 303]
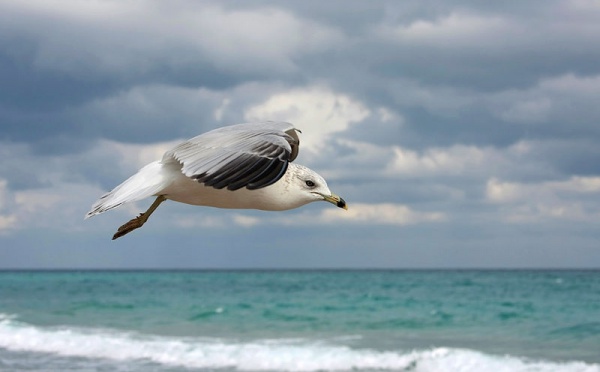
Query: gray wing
[251, 155]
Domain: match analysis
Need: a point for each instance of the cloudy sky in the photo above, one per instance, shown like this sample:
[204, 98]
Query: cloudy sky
[461, 134]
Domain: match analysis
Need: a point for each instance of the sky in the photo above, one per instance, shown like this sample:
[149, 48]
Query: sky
[462, 134]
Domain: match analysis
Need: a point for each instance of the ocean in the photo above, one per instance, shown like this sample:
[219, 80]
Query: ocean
[300, 321]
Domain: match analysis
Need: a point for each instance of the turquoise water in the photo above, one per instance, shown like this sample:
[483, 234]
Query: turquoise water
[300, 321]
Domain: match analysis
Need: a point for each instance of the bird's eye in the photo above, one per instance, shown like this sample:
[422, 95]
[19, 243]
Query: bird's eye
[310, 183]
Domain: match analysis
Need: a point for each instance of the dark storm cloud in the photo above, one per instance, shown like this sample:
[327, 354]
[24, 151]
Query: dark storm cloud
[57, 61]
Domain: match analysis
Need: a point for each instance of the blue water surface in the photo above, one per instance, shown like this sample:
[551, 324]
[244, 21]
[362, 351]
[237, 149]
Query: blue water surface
[547, 316]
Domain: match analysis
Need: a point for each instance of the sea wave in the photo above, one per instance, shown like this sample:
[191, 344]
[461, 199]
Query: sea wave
[297, 355]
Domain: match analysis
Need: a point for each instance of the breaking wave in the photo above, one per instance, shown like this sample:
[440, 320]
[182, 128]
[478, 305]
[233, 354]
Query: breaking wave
[259, 355]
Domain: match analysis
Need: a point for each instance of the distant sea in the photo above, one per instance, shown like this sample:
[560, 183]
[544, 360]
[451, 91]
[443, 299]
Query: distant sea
[300, 321]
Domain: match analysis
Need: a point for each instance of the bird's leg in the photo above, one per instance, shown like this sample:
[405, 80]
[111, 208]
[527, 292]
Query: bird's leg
[140, 220]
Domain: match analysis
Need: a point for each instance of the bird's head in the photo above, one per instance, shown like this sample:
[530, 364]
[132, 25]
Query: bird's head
[314, 188]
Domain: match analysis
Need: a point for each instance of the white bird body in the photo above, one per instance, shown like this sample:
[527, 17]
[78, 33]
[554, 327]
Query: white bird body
[244, 166]
[274, 197]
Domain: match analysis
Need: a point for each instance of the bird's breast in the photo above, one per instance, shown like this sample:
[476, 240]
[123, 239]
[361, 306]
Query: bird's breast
[271, 198]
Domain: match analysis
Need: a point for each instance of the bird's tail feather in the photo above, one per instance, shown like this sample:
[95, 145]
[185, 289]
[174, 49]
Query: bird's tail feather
[146, 182]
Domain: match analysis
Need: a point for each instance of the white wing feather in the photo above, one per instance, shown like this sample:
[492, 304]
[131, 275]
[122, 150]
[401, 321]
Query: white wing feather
[251, 155]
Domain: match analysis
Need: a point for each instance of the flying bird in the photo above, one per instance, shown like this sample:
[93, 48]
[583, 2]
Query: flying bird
[243, 166]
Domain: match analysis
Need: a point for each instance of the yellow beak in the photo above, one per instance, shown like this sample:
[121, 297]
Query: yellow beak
[336, 200]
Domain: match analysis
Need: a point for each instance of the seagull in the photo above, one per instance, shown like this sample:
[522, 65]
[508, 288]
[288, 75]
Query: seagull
[243, 166]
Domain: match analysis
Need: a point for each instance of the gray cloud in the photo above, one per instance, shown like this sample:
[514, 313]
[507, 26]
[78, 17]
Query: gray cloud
[482, 114]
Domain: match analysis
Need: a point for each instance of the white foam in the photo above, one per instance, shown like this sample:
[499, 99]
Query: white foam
[264, 355]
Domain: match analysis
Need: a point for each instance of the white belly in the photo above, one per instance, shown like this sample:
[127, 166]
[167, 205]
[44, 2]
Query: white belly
[185, 190]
